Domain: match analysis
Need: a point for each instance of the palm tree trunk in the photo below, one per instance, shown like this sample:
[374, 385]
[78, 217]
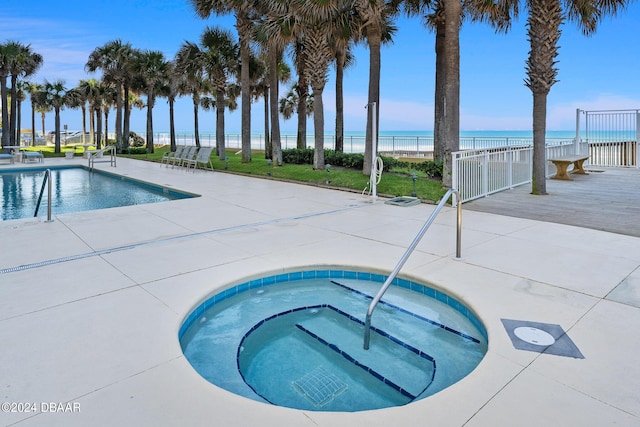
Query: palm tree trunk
[439, 97]
[99, 127]
[119, 107]
[452, 10]
[84, 123]
[12, 113]
[374, 38]
[5, 111]
[243, 25]
[539, 180]
[106, 126]
[127, 118]
[196, 130]
[220, 142]
[267, 131]
[19, 122]
[318, 129]
[302, 89]
[276, 147]
[33, 124]
[172, 124]
[57, 128]
[150, 102]
[340, 59]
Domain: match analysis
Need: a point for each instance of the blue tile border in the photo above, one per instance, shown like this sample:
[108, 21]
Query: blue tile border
[333, 274]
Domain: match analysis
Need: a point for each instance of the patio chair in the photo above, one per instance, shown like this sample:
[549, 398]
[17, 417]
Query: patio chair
[170, 155]
[204, 157]
[188, 154]
[32, 156]
[5, 156]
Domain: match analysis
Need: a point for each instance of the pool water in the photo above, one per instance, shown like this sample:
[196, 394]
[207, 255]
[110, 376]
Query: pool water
[296, 340]
[74, 189]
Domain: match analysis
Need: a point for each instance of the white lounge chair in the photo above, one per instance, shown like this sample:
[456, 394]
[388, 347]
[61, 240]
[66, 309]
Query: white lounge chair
[187, 155]
[170, 155]
[8, 157]
[204, 157]
[32, 156]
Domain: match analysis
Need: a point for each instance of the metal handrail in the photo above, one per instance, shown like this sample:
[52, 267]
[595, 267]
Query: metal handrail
[47, 178]
[96, 154]
[409, 251]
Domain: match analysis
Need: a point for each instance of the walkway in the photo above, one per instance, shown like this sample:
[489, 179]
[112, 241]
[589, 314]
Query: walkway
[92, 320]
[607, 199]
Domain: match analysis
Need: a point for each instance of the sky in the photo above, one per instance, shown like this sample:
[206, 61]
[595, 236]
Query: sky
[599, 72]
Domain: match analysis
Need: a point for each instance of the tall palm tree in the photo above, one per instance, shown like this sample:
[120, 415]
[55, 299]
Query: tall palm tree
[189, 63]
[55, 94]
[108, 95]
[170, 89]
[113, 59]
[220, 60]
[33, 89]
[342, 43]
[21, 87]
[22, 63]
[89, 89]
[543, 29]
[39, 104]
[152, 69]
[375, 17]
[245, 12]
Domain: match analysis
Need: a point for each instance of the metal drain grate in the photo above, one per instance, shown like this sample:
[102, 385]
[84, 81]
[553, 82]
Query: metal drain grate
[320, 386]
[403, 201]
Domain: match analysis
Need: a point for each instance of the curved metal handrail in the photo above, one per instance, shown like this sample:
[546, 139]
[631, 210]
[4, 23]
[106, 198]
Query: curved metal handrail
[409, 251]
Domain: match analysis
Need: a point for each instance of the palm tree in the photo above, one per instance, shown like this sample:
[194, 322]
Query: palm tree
[543, 29]
[55, 95]
[288, 104]
[22, 62]
[220, 55]
[375, 17]
[21, 88]
[108, 95]
[343, 58]
[245, 12]
[170, 89]
[33, 89]
[189, 63]
[113, 59]
[89, 90]
[39, 104]
[151, 68]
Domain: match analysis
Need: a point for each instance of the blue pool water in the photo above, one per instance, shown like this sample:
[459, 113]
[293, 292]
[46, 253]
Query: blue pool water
[74, 189]
[296, 340]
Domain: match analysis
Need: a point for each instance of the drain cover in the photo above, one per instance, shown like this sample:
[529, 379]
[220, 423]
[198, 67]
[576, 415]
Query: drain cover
[403, 201]
[534, 336]
[319, 386]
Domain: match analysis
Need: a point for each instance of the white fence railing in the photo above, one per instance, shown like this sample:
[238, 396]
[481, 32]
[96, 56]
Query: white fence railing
[612, 136]
[478, 173]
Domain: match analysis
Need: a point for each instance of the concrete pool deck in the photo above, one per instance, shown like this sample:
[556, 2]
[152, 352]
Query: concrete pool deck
[91, 304]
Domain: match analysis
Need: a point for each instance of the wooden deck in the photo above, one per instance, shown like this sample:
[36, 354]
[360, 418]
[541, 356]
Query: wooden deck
[606, 199]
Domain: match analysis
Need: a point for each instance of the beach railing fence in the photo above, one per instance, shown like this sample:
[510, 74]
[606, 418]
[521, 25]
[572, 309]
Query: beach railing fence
[612, 136]
[479, 173]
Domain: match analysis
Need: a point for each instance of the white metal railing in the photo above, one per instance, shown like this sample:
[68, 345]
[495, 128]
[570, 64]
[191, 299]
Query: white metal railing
[390, 145]
[612, 136]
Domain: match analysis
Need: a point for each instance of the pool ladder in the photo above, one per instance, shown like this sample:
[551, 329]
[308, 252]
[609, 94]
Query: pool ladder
[409, 251]
[47, 179]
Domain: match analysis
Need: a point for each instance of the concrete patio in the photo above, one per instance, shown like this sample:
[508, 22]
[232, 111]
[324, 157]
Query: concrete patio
[91, 304]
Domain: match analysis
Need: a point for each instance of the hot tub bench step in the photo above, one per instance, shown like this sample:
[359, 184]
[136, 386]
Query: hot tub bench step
[408, 370]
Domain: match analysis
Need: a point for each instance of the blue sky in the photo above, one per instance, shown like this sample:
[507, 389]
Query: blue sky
[595, 73]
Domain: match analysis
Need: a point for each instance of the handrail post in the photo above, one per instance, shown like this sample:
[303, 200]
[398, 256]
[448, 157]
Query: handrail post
[45, 181]
[409, 251]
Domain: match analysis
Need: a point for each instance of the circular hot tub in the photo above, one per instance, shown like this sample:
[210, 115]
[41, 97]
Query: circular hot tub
[296, 340]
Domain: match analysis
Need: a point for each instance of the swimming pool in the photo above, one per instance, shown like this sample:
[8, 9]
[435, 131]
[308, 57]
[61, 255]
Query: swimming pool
[296, 340]
[75, 189]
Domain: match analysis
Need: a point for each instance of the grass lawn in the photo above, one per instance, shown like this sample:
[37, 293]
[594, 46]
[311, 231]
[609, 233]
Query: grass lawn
[393, 183]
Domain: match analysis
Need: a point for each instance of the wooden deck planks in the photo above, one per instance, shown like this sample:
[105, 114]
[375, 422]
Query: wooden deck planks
[606, 199]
